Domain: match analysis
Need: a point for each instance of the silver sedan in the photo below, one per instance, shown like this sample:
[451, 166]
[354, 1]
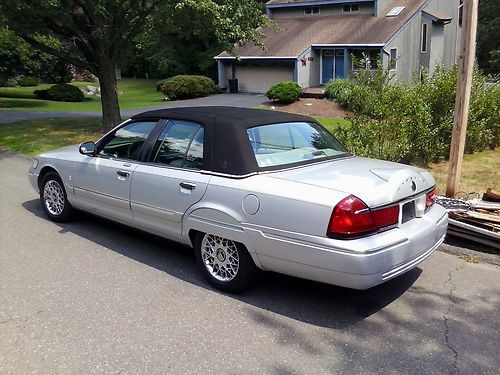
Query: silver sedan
[250, 190]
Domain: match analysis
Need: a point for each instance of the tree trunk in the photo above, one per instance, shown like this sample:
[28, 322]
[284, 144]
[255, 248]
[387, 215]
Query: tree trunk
[109, 94]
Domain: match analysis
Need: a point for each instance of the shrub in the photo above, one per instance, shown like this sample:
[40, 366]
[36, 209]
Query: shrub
[28, 81]
[284, 92]
[160, 84]
[187, 87]
[412, 123]
[61, 92]
[11, 82]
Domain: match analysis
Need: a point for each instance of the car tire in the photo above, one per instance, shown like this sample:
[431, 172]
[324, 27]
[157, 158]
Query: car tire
[54, 199]
[224, 263]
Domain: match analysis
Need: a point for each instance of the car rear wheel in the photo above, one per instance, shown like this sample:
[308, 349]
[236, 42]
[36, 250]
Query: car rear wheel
[54, 199]
[225, 264]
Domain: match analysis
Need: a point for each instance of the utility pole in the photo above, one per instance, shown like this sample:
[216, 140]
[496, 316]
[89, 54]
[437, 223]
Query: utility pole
[464, 84]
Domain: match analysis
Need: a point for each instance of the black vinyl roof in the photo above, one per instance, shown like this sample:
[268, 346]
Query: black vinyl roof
[227, 148]
[232, 116]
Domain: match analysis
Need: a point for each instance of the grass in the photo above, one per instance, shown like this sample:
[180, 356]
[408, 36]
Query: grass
[332, 123]
[35, 136]
[137, 93]
[479, 171]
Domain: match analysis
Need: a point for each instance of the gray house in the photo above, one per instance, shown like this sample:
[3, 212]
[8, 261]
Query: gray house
[316, 39]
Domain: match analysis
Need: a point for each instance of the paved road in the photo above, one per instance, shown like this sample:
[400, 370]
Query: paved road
[96, 297]
[236, 100]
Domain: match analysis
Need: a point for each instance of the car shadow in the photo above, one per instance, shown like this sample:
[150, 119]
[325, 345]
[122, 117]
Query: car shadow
[306, 301]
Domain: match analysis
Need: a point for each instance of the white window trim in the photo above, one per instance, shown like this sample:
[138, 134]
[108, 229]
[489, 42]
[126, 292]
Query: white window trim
[312, 12]
[390, 59]
[426, 27]
[460, 10]
[350, 8]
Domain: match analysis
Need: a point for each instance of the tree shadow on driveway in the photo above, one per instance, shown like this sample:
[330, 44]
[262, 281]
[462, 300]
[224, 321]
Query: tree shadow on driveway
[306, 301]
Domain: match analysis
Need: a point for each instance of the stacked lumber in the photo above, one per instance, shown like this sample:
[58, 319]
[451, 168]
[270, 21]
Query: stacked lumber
[477, 219]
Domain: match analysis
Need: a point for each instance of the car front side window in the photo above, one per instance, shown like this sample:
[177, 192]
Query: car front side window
[127, 142]
[180, 144]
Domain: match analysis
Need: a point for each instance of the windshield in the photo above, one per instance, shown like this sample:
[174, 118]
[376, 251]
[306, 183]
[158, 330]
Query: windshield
[293, 142]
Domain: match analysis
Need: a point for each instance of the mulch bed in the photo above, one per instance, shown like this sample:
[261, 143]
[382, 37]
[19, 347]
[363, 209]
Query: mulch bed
[310, 107]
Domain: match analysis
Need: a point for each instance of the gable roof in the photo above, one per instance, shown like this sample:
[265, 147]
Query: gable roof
[296, 35]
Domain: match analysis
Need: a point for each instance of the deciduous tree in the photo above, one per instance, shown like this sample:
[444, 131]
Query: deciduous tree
[92, 33]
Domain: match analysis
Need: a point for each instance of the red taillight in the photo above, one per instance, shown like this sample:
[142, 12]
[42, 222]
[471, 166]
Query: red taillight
[352, 218]
[430, 198]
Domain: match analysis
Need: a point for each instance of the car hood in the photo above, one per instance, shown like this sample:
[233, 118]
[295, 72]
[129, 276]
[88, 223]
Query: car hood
[67, 152]
[376, 182]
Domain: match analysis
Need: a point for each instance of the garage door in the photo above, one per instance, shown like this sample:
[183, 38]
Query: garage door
[258, 79]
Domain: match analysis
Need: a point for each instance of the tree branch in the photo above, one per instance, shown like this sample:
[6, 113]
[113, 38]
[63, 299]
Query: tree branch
[54, 52]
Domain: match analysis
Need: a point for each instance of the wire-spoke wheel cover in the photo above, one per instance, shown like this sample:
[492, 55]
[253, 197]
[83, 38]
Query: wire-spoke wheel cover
[220, 257]
[53, 197]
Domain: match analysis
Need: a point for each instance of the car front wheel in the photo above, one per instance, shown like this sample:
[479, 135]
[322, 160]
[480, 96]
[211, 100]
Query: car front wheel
[54, 199]
[225, 264]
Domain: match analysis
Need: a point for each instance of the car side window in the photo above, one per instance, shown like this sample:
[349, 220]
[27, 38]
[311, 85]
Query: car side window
[180, 144]
[126, 142]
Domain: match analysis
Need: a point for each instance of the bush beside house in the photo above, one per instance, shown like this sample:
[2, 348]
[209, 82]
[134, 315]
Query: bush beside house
[61, 93]
[187, 87]
[413, 123]
[284, 92]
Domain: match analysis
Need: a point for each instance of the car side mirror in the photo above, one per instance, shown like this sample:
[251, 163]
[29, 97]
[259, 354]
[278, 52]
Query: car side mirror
[87, 148]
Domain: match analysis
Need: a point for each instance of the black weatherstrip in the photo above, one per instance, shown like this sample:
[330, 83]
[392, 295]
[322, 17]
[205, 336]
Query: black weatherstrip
[150, 142]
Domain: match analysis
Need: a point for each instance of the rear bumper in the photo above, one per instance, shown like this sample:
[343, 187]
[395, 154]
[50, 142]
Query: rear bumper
[357, 264]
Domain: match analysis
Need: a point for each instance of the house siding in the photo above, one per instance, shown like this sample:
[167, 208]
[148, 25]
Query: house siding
[451, 31]
[308, 75]
[407, 41]
[325, 10]
[441, 42]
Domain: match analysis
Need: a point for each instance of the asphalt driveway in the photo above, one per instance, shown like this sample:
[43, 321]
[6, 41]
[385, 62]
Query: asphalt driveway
[95, 297]
[234, 100]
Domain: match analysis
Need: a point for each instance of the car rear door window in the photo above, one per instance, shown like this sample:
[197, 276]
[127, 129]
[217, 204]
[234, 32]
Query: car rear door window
[180, 144]
[127, 142]
[289, 143]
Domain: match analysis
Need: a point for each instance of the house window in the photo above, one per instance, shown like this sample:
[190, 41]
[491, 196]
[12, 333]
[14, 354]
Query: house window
[393, 59]
[350, 8]
[311, 10]
[423, 43]
[365, 60]
[460, 12]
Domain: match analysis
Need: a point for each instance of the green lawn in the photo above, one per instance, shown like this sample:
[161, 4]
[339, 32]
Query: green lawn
[35, 136]
[137, 93]
[332, 123]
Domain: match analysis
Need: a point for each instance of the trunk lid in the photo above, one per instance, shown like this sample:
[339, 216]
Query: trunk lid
[376, 182]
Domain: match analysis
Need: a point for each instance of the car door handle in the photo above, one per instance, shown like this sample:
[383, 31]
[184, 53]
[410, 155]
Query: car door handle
[187, 185]
[123, 173]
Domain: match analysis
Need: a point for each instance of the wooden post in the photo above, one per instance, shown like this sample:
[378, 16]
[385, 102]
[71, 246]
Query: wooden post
[464, 84]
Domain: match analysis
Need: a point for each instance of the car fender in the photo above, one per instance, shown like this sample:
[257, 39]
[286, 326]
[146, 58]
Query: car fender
[63, 169]
[220, 221]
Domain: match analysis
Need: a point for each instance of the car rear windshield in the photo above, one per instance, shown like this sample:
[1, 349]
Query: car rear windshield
[290, 143]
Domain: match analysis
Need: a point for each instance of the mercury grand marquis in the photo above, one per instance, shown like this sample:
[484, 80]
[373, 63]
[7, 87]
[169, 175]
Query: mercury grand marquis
[250, 189]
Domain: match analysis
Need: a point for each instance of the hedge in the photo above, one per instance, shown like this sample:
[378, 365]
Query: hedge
[412, 123]
[284, 92]
[61, 92]
[187, 87]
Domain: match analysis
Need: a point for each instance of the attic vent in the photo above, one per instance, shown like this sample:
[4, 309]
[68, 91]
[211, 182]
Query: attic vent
[395, 11]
